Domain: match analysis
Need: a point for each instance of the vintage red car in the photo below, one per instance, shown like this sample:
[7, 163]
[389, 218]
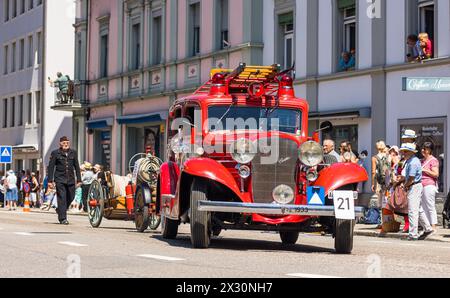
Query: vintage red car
[262, 176]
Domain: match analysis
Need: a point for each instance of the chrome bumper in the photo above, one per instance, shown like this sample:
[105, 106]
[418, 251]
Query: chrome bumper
[271, 209]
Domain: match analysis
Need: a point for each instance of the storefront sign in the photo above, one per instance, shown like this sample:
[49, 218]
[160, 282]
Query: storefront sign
[426, 84]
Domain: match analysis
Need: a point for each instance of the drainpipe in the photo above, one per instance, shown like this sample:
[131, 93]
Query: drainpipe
[43, 90]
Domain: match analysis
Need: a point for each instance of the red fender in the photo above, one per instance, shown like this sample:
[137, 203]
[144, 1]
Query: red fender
[213, 170]
[168, 179]
[341, 174]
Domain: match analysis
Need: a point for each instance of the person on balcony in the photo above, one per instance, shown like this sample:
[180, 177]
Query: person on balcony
[347, 62]
[62, 83]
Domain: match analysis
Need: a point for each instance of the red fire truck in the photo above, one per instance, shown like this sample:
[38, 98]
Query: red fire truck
[266, 175]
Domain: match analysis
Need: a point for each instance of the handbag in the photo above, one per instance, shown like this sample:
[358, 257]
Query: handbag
[399, 200]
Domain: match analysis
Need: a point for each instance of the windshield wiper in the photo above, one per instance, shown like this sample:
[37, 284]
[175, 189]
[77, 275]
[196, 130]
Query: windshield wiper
[227, 111]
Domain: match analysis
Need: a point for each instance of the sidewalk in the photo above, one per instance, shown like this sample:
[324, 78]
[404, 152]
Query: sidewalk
[441, 235]
[51, 211]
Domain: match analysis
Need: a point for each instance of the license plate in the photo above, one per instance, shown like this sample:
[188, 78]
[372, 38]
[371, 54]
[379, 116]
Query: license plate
[344, 204]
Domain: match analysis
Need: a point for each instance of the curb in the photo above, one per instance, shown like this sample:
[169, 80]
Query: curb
[396, 236]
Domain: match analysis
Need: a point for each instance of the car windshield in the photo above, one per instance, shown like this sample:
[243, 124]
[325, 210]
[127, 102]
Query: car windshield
[267, 119]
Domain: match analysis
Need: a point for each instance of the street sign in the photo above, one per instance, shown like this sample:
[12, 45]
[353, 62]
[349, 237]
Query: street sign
[426, 84]
[316, 196]
[6, 155]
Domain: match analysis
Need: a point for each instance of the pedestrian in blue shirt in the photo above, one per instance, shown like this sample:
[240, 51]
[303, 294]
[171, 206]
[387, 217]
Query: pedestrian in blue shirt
[414, 188]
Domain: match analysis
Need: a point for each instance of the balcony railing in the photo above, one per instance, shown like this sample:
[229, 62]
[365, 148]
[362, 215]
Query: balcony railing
[73, 99]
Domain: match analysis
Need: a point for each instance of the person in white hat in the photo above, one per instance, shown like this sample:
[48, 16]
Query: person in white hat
[409, 136]
[414, 188]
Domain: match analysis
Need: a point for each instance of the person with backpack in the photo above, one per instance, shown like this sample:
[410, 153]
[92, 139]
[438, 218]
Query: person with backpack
[380, 173]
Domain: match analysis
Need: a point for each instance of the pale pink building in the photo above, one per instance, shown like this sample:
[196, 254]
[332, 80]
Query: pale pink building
[135, 57]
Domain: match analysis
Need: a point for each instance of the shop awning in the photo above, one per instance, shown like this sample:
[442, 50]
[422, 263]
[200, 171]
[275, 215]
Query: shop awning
[100, 123]
[26, 147]
[342, 114]
[143, 118]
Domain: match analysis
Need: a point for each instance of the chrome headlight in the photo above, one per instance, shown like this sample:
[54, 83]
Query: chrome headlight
[283, 194]
[311, 154]
[243, 151]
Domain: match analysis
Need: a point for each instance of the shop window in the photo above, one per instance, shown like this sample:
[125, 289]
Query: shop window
[102, 140]
[347, 133]
[434, 131]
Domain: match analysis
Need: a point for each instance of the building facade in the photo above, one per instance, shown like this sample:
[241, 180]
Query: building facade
[136, 57]
[35, 44]
[365, 103]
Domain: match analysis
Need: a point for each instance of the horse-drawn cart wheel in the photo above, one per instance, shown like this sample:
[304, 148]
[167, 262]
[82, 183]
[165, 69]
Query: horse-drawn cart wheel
[95, 204]
[141, 212]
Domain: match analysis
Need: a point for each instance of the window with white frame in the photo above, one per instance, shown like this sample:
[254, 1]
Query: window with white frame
[426, 18]
[286, 25]
[22, 6]
[30, 4]
[349, 28]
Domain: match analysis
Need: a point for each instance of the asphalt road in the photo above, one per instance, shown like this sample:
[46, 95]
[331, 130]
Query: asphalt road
[33, 245]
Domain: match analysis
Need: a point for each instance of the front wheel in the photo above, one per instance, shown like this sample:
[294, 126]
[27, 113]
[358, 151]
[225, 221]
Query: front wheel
[289, 238]
[343, 242]
[200, 221]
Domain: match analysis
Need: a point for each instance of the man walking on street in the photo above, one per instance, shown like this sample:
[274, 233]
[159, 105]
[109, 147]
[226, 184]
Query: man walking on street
[62, 169]
[413, 187]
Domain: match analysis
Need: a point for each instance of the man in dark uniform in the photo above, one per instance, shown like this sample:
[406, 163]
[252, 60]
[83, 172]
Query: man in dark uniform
[62, 169]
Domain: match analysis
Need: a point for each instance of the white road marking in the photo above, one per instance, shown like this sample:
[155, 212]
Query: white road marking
[23, 234]
[163, 258]
[74, 244]
[305, 275]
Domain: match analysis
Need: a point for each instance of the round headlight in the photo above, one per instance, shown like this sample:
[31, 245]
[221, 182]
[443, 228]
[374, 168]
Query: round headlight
[283, 194]
[311, 154]
[244, 171]
[243, 151]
